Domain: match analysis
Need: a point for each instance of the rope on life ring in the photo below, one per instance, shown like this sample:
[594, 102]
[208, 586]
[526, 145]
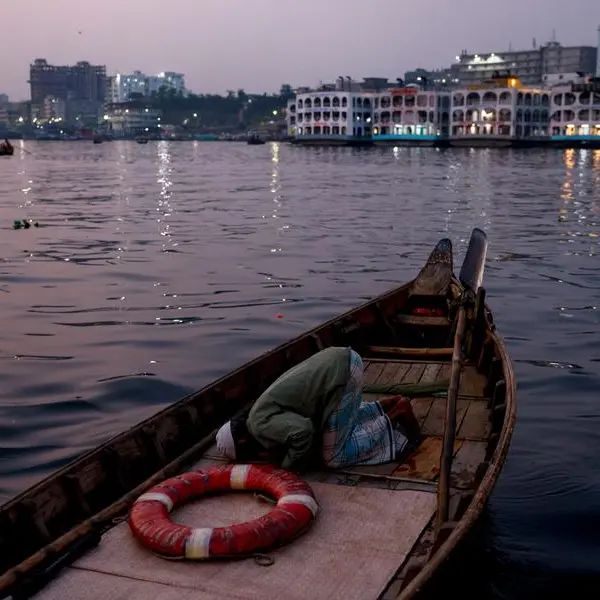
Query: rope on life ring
[293, 514]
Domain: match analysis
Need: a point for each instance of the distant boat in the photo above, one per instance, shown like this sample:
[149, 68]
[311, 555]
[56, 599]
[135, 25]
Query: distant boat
[254, 140]
[97, 139]
[142, 141]
[6, 148]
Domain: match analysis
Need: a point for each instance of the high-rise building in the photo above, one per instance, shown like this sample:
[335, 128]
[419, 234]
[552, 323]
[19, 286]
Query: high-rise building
[529, 66]
[79, 82]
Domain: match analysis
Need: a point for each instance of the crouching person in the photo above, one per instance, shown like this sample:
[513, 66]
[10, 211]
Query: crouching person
[315, 411]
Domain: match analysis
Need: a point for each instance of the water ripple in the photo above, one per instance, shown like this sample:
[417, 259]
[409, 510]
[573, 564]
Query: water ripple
[158, 268]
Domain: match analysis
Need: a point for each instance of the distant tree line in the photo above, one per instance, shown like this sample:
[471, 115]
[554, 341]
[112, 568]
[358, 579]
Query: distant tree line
[235, 109]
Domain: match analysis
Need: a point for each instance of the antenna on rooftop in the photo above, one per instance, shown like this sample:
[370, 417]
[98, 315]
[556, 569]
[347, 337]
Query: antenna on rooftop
[554, 35]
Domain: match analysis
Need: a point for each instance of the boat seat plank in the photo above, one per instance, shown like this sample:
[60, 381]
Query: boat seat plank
[357, 526]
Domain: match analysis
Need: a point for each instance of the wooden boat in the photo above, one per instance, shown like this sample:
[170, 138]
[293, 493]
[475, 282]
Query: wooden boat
[383, 531]
[6, 150]
[255, 141]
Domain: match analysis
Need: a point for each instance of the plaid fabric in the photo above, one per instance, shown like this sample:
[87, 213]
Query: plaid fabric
[357, 432]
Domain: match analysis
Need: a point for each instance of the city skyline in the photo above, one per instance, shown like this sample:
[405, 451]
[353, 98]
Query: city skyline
[260, 45]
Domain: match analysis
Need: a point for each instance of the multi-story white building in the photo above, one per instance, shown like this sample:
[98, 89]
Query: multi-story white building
[411, 115]
[121, 86]
[499, 113]
[331, 116]
[396, 115]
[575, 113]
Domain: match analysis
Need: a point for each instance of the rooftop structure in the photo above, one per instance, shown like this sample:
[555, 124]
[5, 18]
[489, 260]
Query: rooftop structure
[528, 65]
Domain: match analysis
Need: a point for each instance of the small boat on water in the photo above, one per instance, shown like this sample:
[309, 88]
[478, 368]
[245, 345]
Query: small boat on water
[142, 141]
[6, 148]
[382, 531]
[254, 140]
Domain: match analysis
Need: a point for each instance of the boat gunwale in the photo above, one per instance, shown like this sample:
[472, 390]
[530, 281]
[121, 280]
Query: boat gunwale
[487, 483]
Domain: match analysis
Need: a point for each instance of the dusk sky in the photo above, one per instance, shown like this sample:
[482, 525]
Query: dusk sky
[259, 44]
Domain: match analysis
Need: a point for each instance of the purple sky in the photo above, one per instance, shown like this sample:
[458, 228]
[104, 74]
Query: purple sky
[259, 44]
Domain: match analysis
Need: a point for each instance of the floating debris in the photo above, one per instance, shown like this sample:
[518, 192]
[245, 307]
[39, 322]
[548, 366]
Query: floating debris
[24, 224]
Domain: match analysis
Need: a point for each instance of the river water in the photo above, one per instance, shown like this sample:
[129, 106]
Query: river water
[157, 268]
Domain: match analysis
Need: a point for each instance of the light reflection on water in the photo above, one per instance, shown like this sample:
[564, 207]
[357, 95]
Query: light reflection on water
[158, 267]
[579, 211]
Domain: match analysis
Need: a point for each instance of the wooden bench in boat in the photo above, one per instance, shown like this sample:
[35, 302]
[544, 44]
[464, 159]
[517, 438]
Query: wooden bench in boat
[378, 535]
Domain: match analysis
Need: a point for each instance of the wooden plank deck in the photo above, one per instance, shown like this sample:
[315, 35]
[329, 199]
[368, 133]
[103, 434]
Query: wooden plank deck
[371, 527]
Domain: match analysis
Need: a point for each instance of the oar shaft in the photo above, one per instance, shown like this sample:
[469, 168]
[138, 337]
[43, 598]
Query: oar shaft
[450, 421]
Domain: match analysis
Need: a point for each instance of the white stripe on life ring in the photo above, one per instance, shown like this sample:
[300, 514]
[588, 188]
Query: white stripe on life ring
[239, 474]
[197, 545]
[158, 497]
[304, 499]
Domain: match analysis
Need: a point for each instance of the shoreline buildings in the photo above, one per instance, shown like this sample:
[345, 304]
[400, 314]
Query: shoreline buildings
[549, 94]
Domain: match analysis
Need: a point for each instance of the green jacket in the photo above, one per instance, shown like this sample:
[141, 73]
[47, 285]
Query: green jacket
[292, 412]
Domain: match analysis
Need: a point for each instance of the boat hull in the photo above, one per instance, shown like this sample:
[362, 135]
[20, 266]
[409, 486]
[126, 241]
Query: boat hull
[85, 497]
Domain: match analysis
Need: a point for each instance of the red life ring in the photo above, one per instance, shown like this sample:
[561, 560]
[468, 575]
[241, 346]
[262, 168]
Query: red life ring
[295, 510]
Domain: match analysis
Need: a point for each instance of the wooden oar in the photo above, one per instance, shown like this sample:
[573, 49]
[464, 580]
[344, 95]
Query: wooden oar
[471, 276]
